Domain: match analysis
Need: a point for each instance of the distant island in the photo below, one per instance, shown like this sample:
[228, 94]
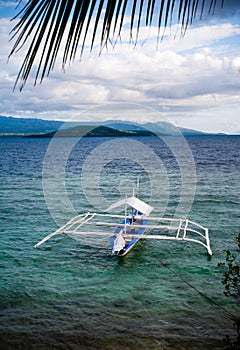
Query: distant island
[39, 128]
[90, 131]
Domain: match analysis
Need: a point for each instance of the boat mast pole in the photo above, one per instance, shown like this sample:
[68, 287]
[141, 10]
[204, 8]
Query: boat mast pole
[132, 207]
[137, 186]
[125, 221]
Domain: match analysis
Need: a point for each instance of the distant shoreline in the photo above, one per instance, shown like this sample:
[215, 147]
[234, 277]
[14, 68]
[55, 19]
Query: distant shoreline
[39, 128]
[35, 136]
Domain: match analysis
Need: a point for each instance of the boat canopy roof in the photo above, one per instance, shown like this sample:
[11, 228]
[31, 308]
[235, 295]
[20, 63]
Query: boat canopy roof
[133, 202]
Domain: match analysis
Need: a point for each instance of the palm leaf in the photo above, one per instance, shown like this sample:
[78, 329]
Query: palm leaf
[46, 25]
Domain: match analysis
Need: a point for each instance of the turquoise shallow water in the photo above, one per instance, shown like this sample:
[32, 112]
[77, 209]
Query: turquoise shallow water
[74, 294]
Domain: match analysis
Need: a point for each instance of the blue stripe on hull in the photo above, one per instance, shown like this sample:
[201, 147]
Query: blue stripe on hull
[134, 241]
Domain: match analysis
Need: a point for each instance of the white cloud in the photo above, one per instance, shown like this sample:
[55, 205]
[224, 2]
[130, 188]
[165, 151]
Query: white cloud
[201, 37]
[186, 77]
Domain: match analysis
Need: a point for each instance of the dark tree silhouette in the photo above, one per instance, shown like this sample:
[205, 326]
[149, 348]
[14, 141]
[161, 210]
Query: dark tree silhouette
[46, 24]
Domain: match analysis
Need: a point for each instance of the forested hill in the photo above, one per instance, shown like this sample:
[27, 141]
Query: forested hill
[10, 126]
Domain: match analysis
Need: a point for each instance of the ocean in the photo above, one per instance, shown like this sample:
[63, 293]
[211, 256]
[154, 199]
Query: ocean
[70, 294]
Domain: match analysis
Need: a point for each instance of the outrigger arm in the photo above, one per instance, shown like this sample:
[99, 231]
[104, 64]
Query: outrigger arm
[185, 230]
[82, 219]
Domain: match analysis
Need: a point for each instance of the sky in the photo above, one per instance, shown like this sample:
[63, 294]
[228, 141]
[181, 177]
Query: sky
[191, 81]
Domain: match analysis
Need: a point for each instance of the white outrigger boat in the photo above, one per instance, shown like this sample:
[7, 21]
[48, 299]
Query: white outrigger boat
[133, 227]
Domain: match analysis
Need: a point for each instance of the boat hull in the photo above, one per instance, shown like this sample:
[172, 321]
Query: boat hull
[129, 244]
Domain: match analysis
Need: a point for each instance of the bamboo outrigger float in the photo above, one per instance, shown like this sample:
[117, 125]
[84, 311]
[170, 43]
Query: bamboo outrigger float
[133, 227]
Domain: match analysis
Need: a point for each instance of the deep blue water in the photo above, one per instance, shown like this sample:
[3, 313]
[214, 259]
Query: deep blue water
[71, 294]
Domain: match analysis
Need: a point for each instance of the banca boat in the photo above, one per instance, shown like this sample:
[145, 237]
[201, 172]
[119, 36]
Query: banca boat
[135, 224]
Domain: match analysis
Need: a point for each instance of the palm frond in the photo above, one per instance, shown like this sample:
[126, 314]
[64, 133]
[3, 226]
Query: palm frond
[45, 26]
